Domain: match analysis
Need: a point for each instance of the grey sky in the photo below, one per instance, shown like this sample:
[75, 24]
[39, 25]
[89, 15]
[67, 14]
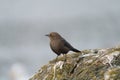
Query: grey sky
[22, 9]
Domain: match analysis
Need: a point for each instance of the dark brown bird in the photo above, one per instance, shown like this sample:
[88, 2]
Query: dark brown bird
[59, 45]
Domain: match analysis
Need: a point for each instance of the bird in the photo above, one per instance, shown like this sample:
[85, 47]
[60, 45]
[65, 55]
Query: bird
[59, 45]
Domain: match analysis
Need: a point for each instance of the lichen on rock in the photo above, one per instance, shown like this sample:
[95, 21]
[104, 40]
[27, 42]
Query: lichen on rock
[92, 64]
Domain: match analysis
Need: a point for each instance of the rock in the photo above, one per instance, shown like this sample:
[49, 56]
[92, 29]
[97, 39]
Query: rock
[96, 64]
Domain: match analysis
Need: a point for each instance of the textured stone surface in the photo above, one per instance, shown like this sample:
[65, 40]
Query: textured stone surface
[96, 64]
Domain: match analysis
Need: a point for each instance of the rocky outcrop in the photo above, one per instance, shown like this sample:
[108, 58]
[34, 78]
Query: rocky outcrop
[92, 64]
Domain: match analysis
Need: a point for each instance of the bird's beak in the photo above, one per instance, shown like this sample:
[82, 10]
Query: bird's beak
[47, 35]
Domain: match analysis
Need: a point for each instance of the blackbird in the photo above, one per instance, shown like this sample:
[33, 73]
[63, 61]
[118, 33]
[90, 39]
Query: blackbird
[59, 45]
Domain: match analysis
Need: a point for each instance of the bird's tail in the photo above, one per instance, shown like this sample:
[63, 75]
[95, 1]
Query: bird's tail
[75, 50]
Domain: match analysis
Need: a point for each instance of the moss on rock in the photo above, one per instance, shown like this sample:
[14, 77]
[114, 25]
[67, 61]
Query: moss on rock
[96, 64]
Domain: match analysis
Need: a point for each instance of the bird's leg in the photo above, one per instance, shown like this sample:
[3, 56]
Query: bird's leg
[65, 57]
[56, 58]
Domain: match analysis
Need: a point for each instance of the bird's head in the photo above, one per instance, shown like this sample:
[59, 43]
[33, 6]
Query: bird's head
[53, 35]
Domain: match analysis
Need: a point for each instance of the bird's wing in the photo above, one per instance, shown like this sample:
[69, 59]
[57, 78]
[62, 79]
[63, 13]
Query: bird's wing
[67, 44]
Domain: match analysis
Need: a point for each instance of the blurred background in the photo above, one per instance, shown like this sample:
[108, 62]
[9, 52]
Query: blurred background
[86, 24]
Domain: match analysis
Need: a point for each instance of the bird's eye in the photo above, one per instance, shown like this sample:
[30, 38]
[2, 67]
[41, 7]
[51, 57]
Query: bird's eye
[51, 35]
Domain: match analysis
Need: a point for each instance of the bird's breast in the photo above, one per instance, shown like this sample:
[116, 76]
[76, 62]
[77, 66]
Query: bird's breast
[55, 44]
